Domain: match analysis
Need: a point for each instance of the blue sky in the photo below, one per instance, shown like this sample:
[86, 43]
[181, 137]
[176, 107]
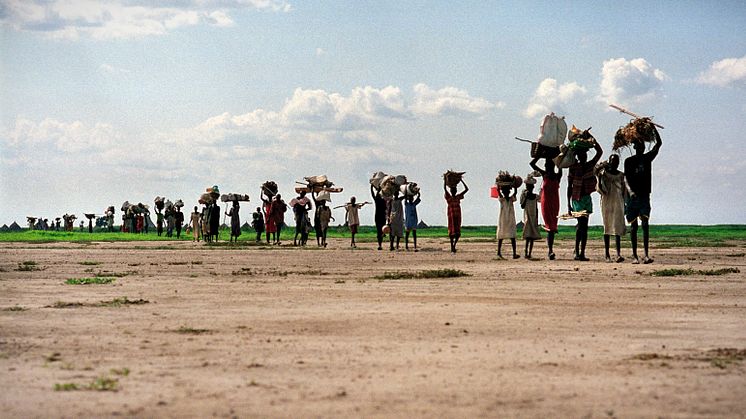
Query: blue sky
[102, 102]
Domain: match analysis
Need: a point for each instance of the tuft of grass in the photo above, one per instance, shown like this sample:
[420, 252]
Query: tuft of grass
[67, 304]
[90, 263]
[106, 274]
[15, 308]
[123, 301]
[706, 272]
[120, 371]
[88, 281]
[104, 384]
[28, 266]
[184, 330]
[66, 387]
[242, 271]
[177, 263]
[425, 274]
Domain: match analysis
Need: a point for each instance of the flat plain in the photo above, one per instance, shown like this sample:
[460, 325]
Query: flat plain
[177, 329]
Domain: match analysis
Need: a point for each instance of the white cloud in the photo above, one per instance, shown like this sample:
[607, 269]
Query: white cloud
[449, 100]
[68, 137]
[726, 72]
[124, 18]
[320, 52]
[551, 97]
[631, 81]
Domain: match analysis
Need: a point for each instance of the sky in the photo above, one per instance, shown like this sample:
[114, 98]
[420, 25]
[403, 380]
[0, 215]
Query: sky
[107, 101]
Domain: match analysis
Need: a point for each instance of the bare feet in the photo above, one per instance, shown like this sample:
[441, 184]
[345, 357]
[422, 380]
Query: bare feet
[608, 259]
[619, 259]
[647, 260]
[581, 258]
[635, 260]
[552, 256]
[516, 256]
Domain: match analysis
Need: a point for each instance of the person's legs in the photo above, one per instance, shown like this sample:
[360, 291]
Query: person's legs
[530, 247]
[606, 247]
[379, 235]
[500, 248]
[525, 250]
[391, 242]
[584, 237]
[633, 239]
[512, 243]
[646, 240]
[550, 244]
[619, 257]
[453, 247]
[581, 237]
[406, 240]
[455, 241]
[414, 239]
[397, 242]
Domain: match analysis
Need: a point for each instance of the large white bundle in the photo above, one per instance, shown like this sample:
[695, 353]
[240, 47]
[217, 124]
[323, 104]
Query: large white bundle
[316, 179]
[324, 195]
[376, 179]
[410, 188]
[552, 131]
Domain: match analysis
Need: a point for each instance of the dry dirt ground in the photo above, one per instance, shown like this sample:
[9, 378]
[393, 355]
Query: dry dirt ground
[257, 332]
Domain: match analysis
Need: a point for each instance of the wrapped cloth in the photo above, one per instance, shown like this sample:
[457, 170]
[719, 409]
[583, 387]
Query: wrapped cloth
[552, 131]
[230, 197]
[409, 189]
[388, 186]
[400, 180]
[178, 204]
[376, 179]
[580, 140]
[453, 178]
[324, 195]
[637, 131]
[206, 199]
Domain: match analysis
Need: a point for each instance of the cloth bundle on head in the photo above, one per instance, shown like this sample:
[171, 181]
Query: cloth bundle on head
[388, 186]
[453, 178]
[376, 179]
[552, 131]
[230, 197]
[206, 199]
[178, 204]
[409, 189]
[324, 195]
[531, 178]
[159, 202]
[639, 130]
[126, 205]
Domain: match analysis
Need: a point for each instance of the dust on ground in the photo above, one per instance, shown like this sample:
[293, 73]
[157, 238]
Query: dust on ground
[184, 330]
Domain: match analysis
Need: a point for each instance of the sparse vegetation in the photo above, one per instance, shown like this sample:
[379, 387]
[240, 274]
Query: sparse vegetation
[123, 301]
[88, 281]
[104, 384]
[28, 266]
[184, 330]
[120, 371]
[425, 274]
[683, 272]
[242, 271]
[15, 308]
[106, 274]
[66, 387]
[90, 263]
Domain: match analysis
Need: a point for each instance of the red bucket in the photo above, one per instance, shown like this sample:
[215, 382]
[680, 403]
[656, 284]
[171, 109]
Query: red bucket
[493, 192]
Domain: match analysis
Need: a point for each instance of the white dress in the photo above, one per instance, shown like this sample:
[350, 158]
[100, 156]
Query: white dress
[506, 228]
[531, 218]
[612, 202]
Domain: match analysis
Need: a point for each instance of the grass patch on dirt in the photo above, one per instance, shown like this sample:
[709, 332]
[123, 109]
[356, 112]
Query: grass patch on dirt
[88, 281]
[684, 272]
[720, 358]
[102, 383]
[15, 308]
[425, 274]
[66, 387]
[184, 330]
[90, 263]
[116, 302]
[735, 255]
[28, 266]
[107, 274]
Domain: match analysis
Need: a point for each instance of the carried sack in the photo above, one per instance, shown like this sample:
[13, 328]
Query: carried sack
[376, 179]
[234, 197]
[540, 151]
[269, 188]
[552, 131]
[324, 195]
[565, 159]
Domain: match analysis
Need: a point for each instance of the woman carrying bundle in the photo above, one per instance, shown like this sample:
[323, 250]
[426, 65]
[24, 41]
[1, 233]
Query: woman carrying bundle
[269, 220]
[410, 211]
[549, 197]
[581, 184]
[453, 199]
[396, 220]
[195, 220]
[277, 214]
[301, 205]
[380, 215]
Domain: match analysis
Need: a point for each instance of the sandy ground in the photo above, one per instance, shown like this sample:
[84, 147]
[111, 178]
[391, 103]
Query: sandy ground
[256, 332]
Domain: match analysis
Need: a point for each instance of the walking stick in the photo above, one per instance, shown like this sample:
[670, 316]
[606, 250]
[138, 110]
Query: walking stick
[622, 110]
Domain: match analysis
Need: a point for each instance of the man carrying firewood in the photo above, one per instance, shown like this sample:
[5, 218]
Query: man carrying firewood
[637, 172]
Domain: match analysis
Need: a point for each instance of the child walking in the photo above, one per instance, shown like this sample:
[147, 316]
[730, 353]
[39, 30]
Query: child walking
[352, 218]
[257, 223]
[506, 227]
[613, 191]
[325, 215]
[453, 198]
[529, 202]
[410, 210]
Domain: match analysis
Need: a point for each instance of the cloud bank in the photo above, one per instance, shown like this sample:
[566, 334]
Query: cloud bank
[726, 72]
[551, 96]
[124, 19]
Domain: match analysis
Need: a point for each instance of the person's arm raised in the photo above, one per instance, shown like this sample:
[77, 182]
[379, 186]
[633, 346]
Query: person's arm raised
[536, 167]
[599, 152]
[658, 143]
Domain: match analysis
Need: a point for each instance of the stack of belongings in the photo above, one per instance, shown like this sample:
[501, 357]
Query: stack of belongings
[552, 132]
[321, 185]
[389, 184]
[160, 202]
[110, 211]
[211, 195]
[504, 178]
[409, 189]
[31, 222]
[453, 178]
[639, 130]
[90, 216]
[577, 141]
[269, 188]
[126, 206]
[230, 197]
